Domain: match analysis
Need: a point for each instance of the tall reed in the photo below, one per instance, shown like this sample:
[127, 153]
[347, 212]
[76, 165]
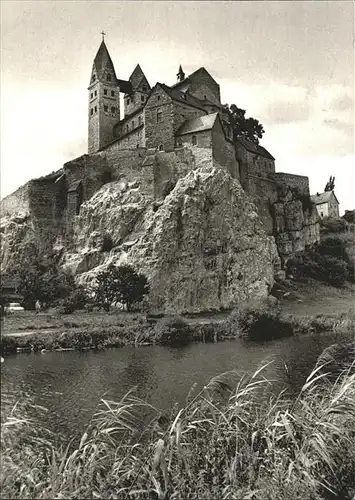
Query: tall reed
[234, 439]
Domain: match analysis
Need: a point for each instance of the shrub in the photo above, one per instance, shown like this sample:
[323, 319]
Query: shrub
[258, 321]
[326, 262]
[333, 225]
[172, 330]
[78, 299]
[349, 216]
[107, 243]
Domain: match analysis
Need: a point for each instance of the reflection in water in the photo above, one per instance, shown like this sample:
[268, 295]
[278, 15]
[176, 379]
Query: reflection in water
[71, 384]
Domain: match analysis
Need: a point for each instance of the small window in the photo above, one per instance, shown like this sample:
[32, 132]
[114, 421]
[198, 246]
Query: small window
[106, 108]
[95, 109]
[113, 109]
[159, 115]
[128, 101]
[158, 97]
[105, 91]
[93, 78]
[205, 97]
[142, 98]
[144, 88]
[133, 124]
[321, 214]
[182, 117]
[161, 147]
[95, 92]
[194, 140]
[112, 93]
[127, 128]
[91, 95]
[91, 111]
[108, 77]
[139, 120]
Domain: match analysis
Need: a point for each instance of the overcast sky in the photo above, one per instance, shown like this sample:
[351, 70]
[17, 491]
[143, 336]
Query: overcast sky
[289, 64]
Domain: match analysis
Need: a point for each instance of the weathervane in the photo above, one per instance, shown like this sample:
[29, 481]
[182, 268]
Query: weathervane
[103, 35]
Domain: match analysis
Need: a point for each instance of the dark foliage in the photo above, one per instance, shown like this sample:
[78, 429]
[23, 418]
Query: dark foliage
[77, 299]
[323, 263]
[44, 281]
[349, 216]
[173, 330]
[120, 285]
[107, 243]
[249, 128]
[333, 225]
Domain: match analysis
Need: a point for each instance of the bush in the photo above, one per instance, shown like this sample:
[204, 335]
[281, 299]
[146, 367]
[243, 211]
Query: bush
[258, 321]
[333, 225]
[78, 299]
[172, 330]
[349, 216]
[107, 243]
[326, 262]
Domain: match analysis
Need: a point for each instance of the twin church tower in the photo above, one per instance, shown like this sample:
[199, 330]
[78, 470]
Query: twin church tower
[104, 98]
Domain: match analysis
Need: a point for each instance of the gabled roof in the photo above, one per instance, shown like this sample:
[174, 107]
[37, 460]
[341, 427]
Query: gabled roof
[193, 75]
[185, 98]
[323, 197]
[254, 148]
[198, 124]
[103, 61]
[136, 76]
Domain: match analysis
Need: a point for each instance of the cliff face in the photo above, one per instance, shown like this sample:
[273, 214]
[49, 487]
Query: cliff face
[296, 223]
[203, 247]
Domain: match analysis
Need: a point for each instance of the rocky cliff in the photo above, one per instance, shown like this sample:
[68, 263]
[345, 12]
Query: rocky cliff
[203, 246]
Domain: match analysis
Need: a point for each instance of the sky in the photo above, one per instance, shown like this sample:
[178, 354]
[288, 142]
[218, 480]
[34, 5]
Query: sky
[288, 64]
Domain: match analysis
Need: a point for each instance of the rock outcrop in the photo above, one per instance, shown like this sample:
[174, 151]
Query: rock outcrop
[203, 247]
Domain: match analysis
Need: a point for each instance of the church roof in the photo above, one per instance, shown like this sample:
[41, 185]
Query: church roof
[254, 148]
[198, 124]
[323, 197]
[136, 76]
[103, 61]
[185, 98]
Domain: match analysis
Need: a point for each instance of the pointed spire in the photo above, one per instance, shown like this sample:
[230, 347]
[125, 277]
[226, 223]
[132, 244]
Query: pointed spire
[180, 75]
[103, 61]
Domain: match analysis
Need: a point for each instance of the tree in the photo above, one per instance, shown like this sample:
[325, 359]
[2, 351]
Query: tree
[120, 284]
[43, 281]
[250, 128]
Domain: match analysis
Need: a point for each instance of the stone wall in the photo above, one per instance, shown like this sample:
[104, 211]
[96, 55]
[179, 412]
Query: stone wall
[162, 132]
[132, 139]
[16, 202]
[203, 139]
[183, 112]
[223, 151]
[300, 182]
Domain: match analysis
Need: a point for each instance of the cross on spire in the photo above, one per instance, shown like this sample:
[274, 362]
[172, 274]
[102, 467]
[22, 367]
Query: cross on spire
[103, 35]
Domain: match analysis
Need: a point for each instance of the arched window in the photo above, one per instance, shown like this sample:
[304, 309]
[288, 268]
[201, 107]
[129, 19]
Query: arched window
[161, 147]
[194, 140]
[108, 77]
[159, 115]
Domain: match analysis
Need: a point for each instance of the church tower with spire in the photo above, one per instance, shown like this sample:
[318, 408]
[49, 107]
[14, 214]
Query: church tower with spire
[104, 100]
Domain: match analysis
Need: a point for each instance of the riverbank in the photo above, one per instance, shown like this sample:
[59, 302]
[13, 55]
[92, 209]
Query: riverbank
[302, 308]
[235, 439]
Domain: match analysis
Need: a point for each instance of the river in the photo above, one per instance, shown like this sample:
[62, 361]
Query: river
[70, 384]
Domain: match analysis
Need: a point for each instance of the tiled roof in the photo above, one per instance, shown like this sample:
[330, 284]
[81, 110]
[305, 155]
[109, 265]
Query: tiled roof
[254, 148]
[125, 87]
[198, 124]
[136, 76]
[103, 60]
[186, 98]
[323, 197]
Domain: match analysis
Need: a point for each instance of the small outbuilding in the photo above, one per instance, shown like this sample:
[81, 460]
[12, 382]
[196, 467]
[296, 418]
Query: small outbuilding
[327, 204]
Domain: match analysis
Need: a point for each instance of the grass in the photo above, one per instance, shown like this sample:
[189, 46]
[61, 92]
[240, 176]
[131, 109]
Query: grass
[255, 321]
[235, 439]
